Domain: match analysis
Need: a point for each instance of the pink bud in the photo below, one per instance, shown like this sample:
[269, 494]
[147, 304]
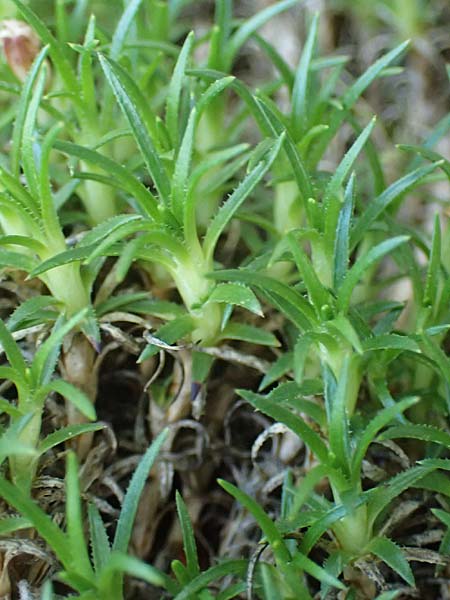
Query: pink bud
[20, 44]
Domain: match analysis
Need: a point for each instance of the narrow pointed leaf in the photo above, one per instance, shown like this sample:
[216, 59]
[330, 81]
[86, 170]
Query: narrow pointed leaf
[174, 92]
[291, 420]
[236, 294]
[393, 556]
[381, 203]
[300, 108]
[78, 398]
[434, 266]
[99, 539]
[361, 266]
[268, 527]
[67, 433]
[226, 568]
[189, 543]
[133, 494]
[232, 204]
[130, 101]
[45, 526]
[251, 25]
[80, 563]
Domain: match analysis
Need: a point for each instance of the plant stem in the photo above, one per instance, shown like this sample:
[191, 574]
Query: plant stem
[194, 288]
[23, 467]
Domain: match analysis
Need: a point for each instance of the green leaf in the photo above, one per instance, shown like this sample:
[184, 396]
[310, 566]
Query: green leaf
[100, 232]
[291, 420]
[286, 299]
[250, 26]
[121, 31]
[341, 328]
[231, 205]
[248, 333]
[329, 518]
[382, 418]
[9, 525]
[318, 295]
[306, 564]
[99, 539]
[22, 109]
[45, 526]
[442, 515]
[436, 353]
[33, 311]
[180, 572]
[236, 294]
[389, 595]
[382, 496]
[16, 260]
[63, 258]
[67, 433]
[44, 361]
[181, 175]
[390, 341]
[134, 491]
[377, 206]
[22, 199]
[12, 352]
[5, 405]
[270, 124]
[292, 394]
[351, 96]
[74, 518]
[393, 556]
[436, 463]
[429, 154]
[332, 191]
[338, 426]
[12, 442]
[225, 568]
[233, 591]
[362, 265]
[174, 92]
[168, 334]
[28, 141]
[47, 591]
[357, 88]
[118, 234]
[300, 108]
[341, 241]
[280, 367]
[276, 60]
[131, 102]
[189, 543]
[426, 433]
[122, 563]
[78, 398]
[116, 173]
[434, 265]
[266, 524]
[59, 52]
[334, 564]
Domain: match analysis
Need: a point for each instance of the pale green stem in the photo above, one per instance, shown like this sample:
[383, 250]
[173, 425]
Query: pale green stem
[287, 211]
[23, 467]
[99, 199]
[321, 263]
[66, 285]
[194, 288]
[353, 531]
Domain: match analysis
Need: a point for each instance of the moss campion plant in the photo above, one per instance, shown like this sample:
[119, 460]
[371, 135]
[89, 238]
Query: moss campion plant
[224, 339]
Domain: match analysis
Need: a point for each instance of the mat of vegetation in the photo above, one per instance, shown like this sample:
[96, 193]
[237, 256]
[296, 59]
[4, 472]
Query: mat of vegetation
[225, 300]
